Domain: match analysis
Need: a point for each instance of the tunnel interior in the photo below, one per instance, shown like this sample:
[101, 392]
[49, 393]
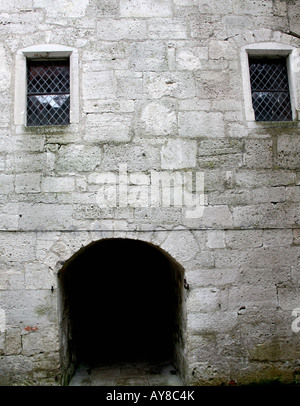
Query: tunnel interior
[120, 300]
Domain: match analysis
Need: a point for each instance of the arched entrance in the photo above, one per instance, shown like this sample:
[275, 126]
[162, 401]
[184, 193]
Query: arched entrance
[120, 300]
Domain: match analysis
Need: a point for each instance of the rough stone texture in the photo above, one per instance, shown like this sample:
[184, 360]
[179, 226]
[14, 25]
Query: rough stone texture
[160, 89]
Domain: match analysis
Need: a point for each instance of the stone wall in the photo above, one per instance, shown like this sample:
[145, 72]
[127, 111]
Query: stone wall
[160, 90]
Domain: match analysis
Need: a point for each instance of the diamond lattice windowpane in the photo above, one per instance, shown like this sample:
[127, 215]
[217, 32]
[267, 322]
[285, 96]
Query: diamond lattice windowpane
[271, 106]
[48, 110]
[270, 90]
[48, 94]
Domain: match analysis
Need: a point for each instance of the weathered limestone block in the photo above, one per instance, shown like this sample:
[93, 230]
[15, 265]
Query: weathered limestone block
[215, 7]
[205, 26]
[243, 239]
[167, 28]
[137, 157]
[45, 216]
[218, 147]
[178, 154]
[108, 225]
[260, 258]
[236, 130]
[258, 153]
[76, 37]
[145, 8]
[107, 8]
[287, 152]
[28, 183]
[169, 216]
[208, 373]
[293, 12]
[13, 6]
[200, 124]
[215, 239]
[5, 100]
[38, 340]
[269, 195]
[254, 7]
[212, 277]
[274, 349]
[237, 24]
[260, 178]
[13, 345]
[62, 8]
[108, 106]
[279, 238]
[6, 182]
[31, 370]
[185, 3]
[169, 84]
[17, 247]
[105, 57]
[20, 22]
[191, 58]
[203, 260]
[99, 85]
[38, 276]
[30, 142]
[288, 295]
[204, 300]
[129, 84]
[26, 162]
[125, 29]
[2, 342]
[293, 194]
[222, 49]
[77, 158]
[232, 197]
[29, 307]
[202, 346]
[9, 221]
[108, 127]
[260, 298]
[63, 247]
[52, 184]
[148, 56]
[216, 83]
[11, 276]
[158, 119]
[181, 244]
[194, 104]
[266, 215]
[213, 216]
[5, 72]
[212, 322]
[296, 237]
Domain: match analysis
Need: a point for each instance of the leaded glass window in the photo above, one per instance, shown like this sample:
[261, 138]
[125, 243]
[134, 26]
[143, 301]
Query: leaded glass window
[270, 89]
[48, 93]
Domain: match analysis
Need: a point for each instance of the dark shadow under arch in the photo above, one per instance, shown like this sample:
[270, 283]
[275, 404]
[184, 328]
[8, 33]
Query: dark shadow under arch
[120, 300]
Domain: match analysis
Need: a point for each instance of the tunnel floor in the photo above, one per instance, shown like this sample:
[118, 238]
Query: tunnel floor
[127, 374]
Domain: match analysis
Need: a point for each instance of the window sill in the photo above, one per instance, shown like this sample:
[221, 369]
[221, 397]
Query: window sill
[47, 129]
[273, 124]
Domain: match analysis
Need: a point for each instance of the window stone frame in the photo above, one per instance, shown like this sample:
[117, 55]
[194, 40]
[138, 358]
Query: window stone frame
[293, 67]
[51, 52]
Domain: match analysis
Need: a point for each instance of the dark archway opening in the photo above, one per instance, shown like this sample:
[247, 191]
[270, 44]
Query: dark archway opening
[121, 300]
